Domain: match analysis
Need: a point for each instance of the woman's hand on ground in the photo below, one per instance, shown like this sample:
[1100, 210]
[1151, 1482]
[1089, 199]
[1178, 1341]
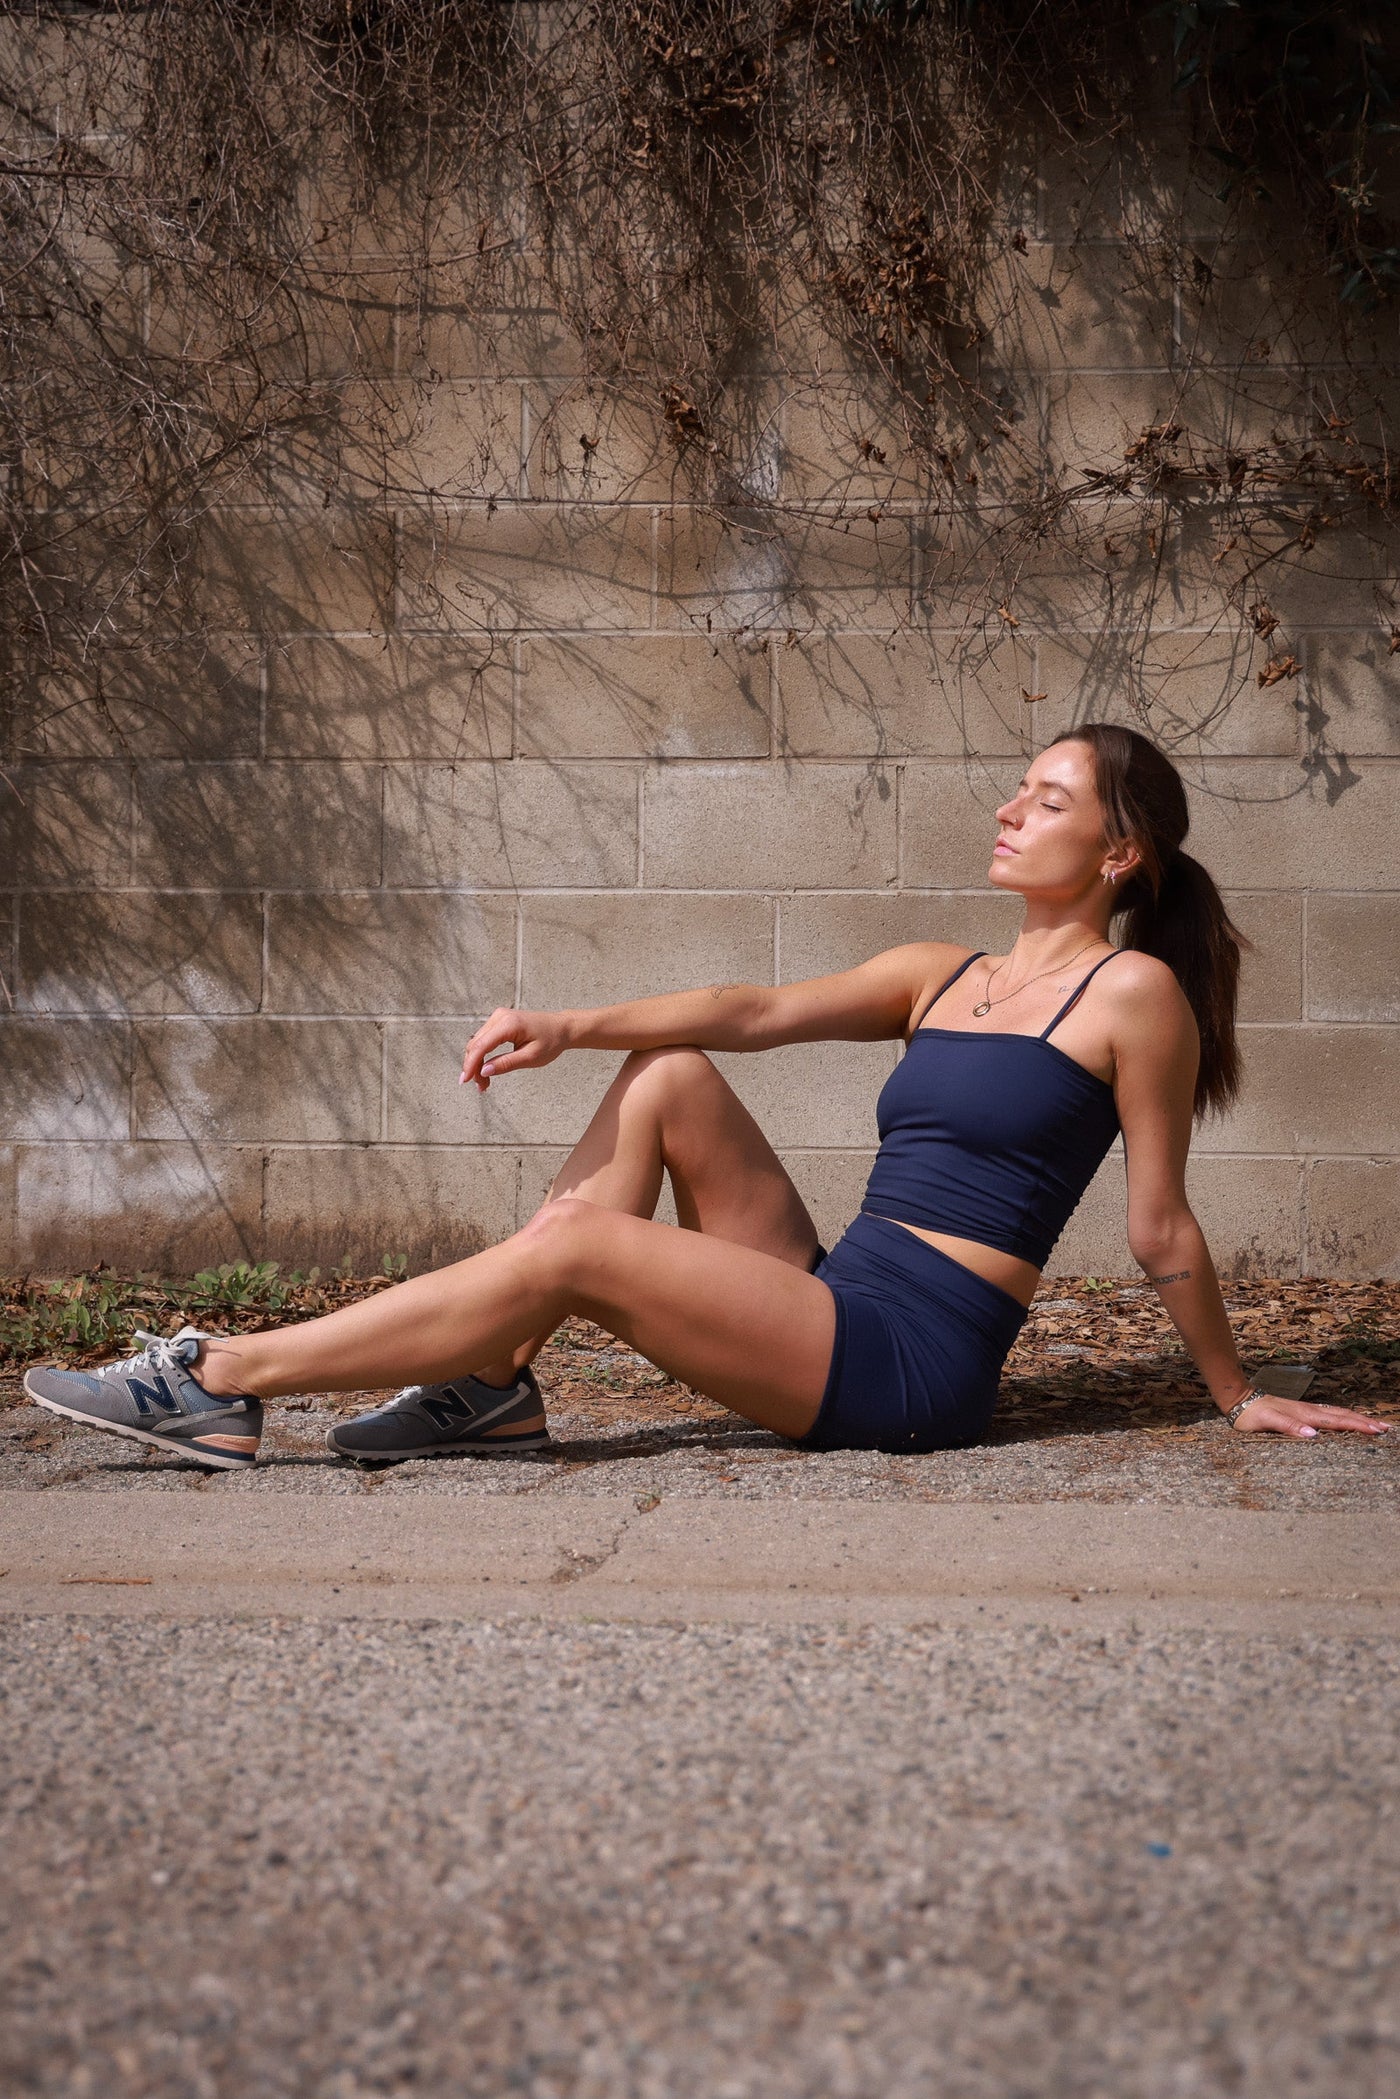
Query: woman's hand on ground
[536, 1039]
[1296, 1417]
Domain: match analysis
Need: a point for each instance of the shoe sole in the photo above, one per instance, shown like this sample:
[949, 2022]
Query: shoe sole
[481, 1447]
[220, 1460]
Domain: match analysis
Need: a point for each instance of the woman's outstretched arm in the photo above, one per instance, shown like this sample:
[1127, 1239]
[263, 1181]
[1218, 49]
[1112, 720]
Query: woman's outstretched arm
[869, 1004]
[1156, 1048]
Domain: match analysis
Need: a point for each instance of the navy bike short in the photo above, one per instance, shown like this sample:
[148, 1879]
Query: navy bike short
[920, 1344]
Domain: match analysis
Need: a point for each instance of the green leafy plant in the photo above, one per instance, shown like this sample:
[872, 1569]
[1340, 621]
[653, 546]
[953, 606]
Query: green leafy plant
[237, 1286]
[1365, 1342]
[89, 1315]
[93, 1317]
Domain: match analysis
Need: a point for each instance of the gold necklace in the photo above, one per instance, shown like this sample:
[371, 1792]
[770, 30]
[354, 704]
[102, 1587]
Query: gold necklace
[988, 1003]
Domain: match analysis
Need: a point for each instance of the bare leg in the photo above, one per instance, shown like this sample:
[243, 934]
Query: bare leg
[750, 1329]
[670, 1111]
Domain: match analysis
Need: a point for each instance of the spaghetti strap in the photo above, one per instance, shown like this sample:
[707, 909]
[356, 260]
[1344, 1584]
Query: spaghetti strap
[1077, 994]
[947, 981]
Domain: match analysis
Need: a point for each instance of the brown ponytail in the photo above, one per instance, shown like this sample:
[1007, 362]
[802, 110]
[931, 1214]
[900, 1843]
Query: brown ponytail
[1172, 908]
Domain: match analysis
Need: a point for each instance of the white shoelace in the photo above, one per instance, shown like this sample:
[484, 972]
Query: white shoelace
[158, 1353]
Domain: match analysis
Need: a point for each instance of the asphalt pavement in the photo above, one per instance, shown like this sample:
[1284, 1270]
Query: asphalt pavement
[677, 1763]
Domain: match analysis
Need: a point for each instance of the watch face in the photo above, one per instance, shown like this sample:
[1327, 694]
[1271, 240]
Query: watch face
[1284, 1380]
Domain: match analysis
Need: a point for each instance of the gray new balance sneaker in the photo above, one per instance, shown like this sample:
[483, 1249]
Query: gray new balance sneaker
[426, 1421]
[152, 1398]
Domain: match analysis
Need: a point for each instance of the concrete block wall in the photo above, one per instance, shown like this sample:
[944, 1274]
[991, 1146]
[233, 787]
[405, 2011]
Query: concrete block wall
[545, 733]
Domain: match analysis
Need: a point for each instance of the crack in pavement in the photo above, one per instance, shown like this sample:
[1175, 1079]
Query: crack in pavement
[575, 1566]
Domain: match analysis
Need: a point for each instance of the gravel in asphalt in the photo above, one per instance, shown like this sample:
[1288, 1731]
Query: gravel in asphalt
[691, 1449]
[620, 1862]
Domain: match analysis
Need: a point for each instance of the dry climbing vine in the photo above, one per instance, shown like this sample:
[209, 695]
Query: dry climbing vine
[224, 224]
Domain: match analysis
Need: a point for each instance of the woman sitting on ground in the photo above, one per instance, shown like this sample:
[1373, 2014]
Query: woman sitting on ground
[991, 1126]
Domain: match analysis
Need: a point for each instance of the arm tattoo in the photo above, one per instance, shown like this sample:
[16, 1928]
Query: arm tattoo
[718, 990]
[1179, 1275]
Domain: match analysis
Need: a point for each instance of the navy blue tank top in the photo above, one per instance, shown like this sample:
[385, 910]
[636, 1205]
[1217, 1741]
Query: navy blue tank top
[990, 1137]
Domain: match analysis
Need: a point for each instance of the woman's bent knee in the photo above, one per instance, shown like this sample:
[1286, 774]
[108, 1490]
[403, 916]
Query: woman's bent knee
[675, 1065]
[559, 1233]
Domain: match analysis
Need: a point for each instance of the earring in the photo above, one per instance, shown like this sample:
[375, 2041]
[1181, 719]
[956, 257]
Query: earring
[1110, 877]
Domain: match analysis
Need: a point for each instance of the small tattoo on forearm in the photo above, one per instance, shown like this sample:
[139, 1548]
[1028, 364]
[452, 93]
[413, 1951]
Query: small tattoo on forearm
[1179, 1275]
[718, 990]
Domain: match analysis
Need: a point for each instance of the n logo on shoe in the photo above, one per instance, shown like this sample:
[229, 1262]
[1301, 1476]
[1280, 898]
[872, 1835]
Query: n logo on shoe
[148, 1397]
[448, 1412]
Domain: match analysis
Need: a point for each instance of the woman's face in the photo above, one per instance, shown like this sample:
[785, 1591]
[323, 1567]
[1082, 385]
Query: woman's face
[1051, 832]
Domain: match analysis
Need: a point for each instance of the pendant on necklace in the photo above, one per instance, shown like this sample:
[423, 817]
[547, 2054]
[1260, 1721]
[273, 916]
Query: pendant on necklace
[985, 1007]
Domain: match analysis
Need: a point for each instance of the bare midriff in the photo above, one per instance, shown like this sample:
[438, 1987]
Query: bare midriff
[1017, 1278]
